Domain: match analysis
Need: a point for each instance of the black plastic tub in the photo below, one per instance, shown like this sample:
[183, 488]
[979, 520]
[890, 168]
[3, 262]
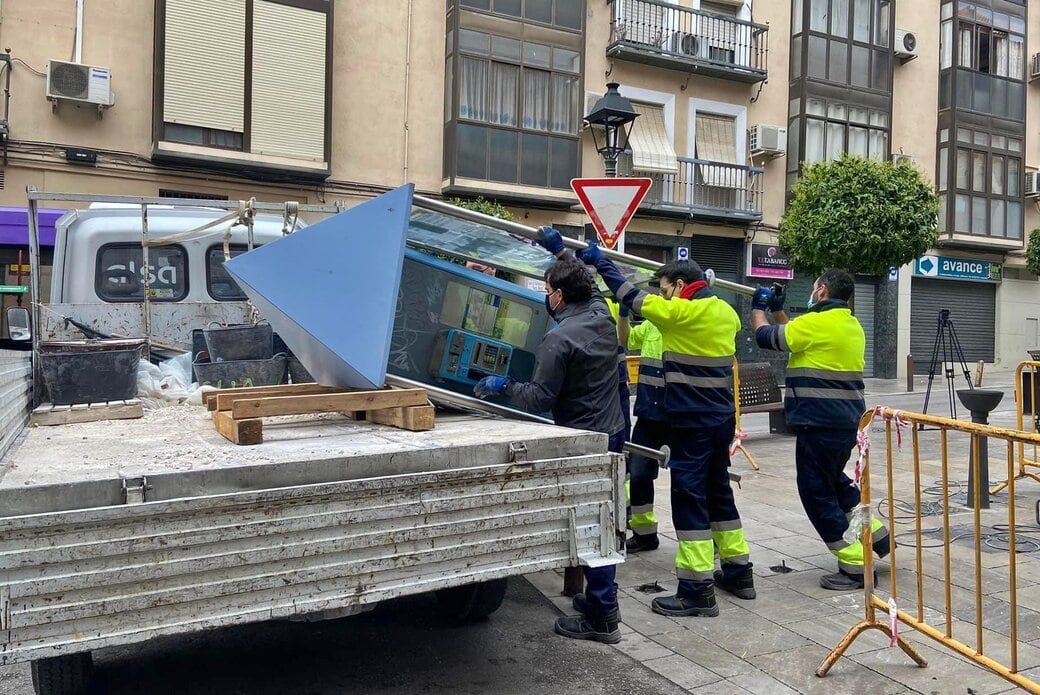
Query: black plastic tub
[90, 377]
[242, 342]
[237, 373]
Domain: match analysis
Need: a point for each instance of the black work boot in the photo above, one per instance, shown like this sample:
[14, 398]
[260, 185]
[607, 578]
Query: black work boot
[740, 585]
[602, 628]
[637, 543]
[680, 607]
[843, 581]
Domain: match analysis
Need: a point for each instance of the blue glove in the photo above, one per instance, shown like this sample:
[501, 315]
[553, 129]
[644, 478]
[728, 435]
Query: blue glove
[777, 302]
[590, 255]
[550, 240]
[491, 386]
[761, 299]
[623, 311]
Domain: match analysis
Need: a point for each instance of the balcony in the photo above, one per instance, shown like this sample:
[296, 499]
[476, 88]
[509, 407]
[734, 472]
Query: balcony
[679, 38]
[710, 191]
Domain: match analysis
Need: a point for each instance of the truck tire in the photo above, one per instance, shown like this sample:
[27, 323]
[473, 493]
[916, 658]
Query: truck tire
[472, 602]
[63, 675]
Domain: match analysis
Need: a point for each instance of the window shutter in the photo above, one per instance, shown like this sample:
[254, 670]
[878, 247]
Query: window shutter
[204, 73]
[652, 152]
[288, 107]
[716, 142]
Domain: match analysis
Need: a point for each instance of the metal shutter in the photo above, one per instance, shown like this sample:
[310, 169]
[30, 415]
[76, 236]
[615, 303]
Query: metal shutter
[863, 309]
[288, 81]
[204, 69]
[972, 307]
[724, 255]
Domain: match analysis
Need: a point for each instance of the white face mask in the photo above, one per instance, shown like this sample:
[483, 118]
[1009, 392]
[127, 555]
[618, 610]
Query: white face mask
[812, 300]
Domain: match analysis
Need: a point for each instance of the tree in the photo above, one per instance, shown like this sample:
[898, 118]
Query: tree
[488, 207]
[858, 214]
[1033, 252]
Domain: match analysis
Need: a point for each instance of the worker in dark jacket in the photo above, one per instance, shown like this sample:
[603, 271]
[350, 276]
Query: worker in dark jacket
[575, 377]
[824, 403]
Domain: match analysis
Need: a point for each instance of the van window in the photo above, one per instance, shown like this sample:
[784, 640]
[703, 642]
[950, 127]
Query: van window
[219, 283]
[118, 275]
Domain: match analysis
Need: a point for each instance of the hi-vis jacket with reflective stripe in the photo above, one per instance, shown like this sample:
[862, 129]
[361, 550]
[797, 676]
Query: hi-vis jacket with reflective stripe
[699, 342]
[825, 370]
[650, 388]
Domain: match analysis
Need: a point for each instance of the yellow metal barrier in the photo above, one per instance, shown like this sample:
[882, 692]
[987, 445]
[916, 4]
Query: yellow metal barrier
[915, 618]
[1020, 401]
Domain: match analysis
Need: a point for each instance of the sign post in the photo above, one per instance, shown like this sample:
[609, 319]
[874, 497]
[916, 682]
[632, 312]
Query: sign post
[610, 204]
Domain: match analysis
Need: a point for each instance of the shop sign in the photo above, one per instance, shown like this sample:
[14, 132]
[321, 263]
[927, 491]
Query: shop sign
[766, 261]
[958, 268]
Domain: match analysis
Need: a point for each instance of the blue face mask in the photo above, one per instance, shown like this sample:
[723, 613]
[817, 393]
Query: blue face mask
[811, 302]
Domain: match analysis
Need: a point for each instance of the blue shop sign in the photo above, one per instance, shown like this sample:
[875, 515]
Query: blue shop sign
[957, 268]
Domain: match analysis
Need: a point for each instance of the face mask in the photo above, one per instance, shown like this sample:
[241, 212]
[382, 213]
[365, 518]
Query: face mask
[549, 306]
[812, 301]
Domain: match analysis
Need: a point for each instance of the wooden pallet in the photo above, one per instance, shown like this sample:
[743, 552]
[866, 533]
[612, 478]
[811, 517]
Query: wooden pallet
[50, 414]
[238, 413]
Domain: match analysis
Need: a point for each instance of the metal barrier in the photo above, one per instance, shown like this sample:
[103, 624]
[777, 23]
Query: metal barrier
[739, 435]
[1022, 390]
[915, 618]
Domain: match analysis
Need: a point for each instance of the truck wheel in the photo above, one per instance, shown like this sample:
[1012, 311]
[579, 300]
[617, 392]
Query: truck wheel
[464, 604]
[63, 675]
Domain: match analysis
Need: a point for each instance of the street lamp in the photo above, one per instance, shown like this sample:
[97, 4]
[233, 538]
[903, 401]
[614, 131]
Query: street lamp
[615, 114]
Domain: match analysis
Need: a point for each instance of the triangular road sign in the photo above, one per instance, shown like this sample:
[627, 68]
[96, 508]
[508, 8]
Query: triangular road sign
[610, 203]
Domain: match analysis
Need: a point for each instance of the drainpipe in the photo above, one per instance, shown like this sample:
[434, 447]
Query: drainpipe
[77, 52]
[407, 88]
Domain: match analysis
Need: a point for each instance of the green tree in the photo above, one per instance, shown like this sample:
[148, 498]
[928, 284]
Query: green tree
[480, 204]
[859, 214]
[1033, 252]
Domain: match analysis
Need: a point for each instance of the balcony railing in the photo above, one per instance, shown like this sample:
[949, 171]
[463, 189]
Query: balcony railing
[670, 36]
[705, 190]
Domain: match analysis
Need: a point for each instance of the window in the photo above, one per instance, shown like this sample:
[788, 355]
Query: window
[652, 151]
[519, 104]
[987, 191]
[832, 128]
[218, 92]
[119, 276]
[716, 142]
[990, 57]
[566, 14]
[219, 283]
[849, 43]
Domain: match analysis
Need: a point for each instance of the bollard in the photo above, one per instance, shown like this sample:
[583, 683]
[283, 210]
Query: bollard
[909, 373]
[981, 403]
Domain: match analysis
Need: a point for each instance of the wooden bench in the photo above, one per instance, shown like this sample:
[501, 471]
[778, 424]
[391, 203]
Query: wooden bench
[760, 393]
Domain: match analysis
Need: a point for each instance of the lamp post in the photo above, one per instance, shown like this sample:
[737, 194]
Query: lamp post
[615, 115]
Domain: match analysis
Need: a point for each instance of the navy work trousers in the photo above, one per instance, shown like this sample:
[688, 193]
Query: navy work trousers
[600, 588]
[827, 494]
[643, 471]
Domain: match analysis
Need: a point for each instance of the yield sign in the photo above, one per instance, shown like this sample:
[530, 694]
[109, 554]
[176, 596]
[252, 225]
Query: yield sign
[610, 203]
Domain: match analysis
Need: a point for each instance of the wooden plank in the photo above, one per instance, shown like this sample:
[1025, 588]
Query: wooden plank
[239, 431]
[417, 418]
[65, 415]
[327, 403]
[223, 398]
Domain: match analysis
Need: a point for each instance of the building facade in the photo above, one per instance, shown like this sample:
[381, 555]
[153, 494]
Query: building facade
[317, 101]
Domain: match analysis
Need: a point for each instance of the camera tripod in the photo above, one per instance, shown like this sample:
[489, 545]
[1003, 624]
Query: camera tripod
[946, 339]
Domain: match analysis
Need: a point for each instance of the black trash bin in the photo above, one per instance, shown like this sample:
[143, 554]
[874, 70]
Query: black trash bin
[93, 376]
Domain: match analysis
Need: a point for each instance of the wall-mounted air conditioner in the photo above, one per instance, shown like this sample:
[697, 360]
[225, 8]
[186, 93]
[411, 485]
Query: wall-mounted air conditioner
[688, 44]
[1034, 67]
[82, 84]
[1032, 184]
[906, 45]
[768, 140]
[899, 157]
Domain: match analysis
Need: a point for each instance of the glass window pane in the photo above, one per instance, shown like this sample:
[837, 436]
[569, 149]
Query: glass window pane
[1016, 100]
[796, 17]
[966, 11]
[1014, 189]
[564, 104]
[858, 114]
[858, 141]
[840, 18]
[1018, 25]
[996, 176]
[947, 10]
[167, 267]
[473, 41]
[946, 45]
[944, 157]
[982, 46]
[836, 111]
[503, 164]
[794, 107]
[835, 140]
[963, 135]
[505, 81]
[942, 213]
[860, 76]
[814, 140]
[978, 171]
[999, 142]
[473, 88]
[996, 217]
[963, 169]
[509, 7]
[536, 100]
[838, 71]
[817, 57]
[478, 4]
[504, 48]
[569, 13]
[534, 160]
[569, 61]
[471, 151]
[998, 96]
[879, 119]
[796, 57]
[815, 107]
[981, 138]
[1001, 21]
[882, 21]
[944, 135]
[982, 83]
[979, 216]
[564, 162]
[999, 57]
[537, 54]
[878, 145]
[861, 20]
[881, 71]
[1014, 144]
[962, 214]
[983, 15]
[818, 16]
[1014, 220]
[538, 11]
[966, 46]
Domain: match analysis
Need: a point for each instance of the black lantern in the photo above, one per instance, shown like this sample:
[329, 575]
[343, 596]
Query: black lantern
[615, 115]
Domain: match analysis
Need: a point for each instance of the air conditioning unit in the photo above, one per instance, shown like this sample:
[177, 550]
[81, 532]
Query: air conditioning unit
[1032, 184]
[906, 44]
[590, 102]
[688, 44]
[1034, 67]
[83, 84]
[769, 140]
[899, 157]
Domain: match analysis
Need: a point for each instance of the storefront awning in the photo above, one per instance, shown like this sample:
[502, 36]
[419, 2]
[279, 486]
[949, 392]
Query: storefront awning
[14, 226]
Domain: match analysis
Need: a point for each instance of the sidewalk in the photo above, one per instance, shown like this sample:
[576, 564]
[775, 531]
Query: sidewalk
[774, 644]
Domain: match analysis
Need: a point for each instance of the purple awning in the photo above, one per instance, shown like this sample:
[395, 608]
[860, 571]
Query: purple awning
[14, 226]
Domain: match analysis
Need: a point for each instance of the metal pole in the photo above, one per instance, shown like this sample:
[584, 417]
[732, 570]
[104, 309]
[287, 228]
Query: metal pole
[34, 288]
[713, 281]
[146, 284]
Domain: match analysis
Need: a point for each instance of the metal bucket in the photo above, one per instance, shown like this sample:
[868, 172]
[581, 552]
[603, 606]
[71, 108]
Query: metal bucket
[242, 342]
[93, 376]
[236, 373]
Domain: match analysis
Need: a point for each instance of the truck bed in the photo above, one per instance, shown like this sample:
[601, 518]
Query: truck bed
[116, 532]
